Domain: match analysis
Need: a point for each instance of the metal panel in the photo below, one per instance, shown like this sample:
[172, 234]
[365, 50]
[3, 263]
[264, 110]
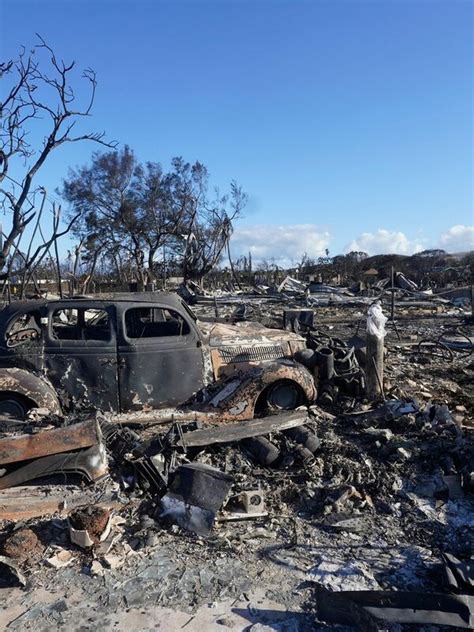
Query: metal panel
[84, 372]
[91, 463]
[32, 446]
[157, 371]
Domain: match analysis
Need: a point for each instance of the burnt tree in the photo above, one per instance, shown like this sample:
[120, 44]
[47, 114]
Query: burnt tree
[39, 103]
[144, 217]
[128, 210]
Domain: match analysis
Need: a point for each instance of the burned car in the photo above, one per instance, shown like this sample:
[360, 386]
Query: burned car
[144, 351]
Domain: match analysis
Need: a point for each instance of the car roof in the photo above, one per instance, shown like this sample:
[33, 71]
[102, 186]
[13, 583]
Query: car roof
[112, 297]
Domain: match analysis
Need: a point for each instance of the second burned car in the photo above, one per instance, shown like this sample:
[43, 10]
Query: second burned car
[145, 351]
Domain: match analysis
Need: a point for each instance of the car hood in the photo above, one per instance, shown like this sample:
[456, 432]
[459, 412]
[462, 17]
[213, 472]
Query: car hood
[244, 333]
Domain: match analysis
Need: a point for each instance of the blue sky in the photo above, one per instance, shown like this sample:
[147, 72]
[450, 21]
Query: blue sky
[348, 123]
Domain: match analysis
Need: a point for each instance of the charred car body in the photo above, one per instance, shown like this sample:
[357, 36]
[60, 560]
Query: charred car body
[140, 352]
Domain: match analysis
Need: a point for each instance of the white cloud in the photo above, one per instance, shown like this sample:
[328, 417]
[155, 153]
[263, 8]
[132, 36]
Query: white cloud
[384, 241]
[283, 244]
[458, 238]
[286, 244]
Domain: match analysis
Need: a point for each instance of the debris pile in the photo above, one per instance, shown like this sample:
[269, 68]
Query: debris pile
[346, 510]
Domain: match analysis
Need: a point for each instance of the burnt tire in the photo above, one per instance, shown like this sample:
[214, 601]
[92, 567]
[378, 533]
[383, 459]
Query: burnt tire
[283, 395]
[14, 406]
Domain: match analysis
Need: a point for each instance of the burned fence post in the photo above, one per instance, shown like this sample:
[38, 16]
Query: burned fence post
[375, 339]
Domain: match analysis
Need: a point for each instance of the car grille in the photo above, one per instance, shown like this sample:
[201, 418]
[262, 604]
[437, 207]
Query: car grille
[251, 354]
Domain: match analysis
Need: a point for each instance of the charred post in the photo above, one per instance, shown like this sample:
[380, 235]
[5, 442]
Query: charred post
[375, 350]
[374, 368]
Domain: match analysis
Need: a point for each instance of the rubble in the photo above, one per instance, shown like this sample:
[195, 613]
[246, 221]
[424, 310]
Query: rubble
[10, 572]
[22, 545]
[370, 501]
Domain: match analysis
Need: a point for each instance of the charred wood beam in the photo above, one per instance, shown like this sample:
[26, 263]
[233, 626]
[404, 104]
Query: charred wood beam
[162, 417]
[22, 503]
[33, 446]
[243, 429]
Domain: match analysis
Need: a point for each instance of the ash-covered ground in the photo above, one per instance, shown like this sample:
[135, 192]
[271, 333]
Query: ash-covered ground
[388, 492]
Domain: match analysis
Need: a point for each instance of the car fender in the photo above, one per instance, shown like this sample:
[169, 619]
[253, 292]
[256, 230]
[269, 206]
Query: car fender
[35, 388]
[238, 395]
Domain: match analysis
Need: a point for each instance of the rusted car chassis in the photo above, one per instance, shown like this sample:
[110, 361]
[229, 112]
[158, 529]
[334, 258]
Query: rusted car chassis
[142, 352]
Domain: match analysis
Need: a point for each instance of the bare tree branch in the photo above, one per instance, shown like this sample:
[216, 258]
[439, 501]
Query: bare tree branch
[40, 90]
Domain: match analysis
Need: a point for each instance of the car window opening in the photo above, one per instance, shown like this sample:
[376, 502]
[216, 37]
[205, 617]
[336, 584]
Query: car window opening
[154, 322]
[81, 324]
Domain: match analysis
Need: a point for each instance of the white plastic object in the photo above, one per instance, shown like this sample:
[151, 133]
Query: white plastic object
[376, 321]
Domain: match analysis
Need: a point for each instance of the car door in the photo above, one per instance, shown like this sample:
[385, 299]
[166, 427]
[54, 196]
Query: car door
[81, 354]
[159, 356]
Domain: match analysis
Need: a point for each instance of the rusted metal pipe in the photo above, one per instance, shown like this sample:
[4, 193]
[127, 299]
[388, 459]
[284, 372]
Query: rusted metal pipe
[262, 450]
[304, 436]
[325, 363]
[303, 455]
